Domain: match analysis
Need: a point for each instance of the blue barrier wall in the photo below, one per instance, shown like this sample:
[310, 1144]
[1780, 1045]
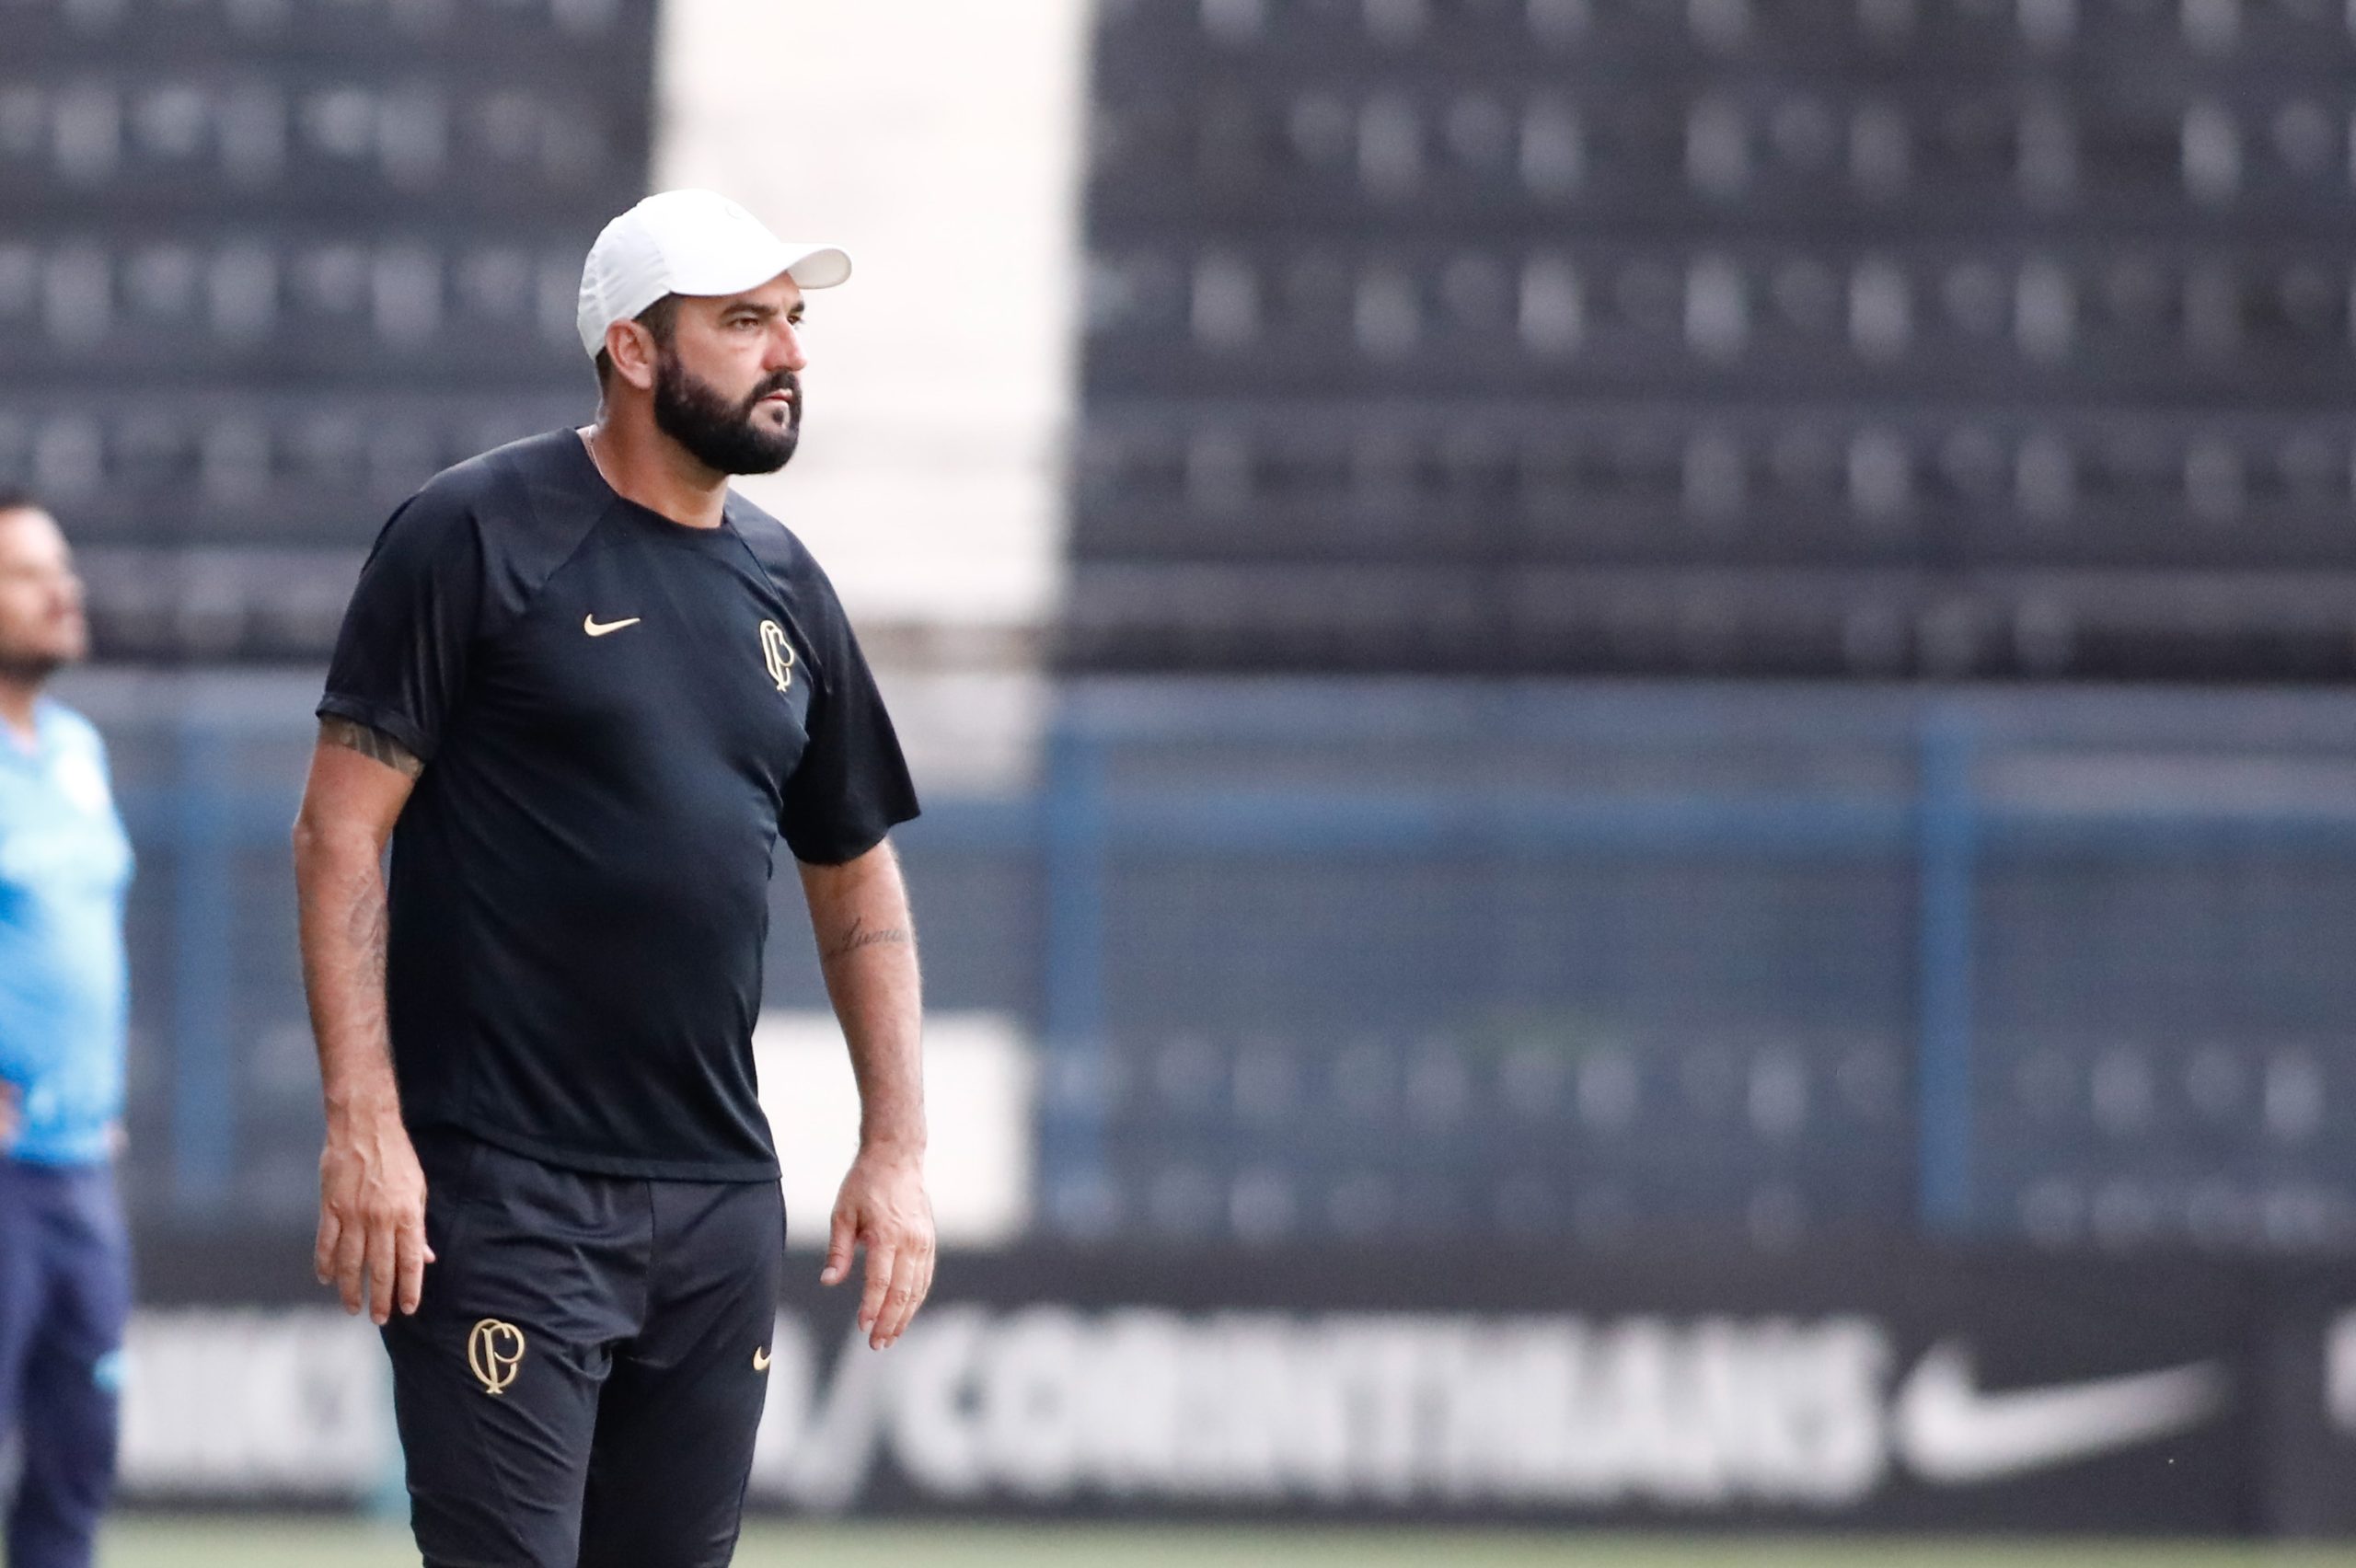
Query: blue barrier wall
[1413, 958]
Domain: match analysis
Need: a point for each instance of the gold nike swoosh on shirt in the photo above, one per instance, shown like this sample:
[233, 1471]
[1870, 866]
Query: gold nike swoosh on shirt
[589, 624]
[761, 1359]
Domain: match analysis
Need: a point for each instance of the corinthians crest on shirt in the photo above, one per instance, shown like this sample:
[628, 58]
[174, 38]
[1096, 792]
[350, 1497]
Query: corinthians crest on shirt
[776, 652]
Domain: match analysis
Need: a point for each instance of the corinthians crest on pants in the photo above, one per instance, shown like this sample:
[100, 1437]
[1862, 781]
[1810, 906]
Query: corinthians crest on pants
[494, 1351]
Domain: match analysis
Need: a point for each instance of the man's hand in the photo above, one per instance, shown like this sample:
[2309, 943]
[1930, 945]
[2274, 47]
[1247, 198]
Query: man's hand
[372, 1215]
[372, 1194]
[12, 1115]
[883, 1208]
[867, 950]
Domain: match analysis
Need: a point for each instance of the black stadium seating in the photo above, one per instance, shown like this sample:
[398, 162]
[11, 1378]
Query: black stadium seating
[267, 264]
[1454, 334]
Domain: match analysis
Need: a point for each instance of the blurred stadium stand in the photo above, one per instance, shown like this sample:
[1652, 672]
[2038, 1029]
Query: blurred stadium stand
[268, 264]
[1484, 339]
[1876, 339]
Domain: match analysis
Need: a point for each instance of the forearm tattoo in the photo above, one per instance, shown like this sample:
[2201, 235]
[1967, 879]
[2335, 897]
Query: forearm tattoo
[862, 936]
[374, 744]
[369, 925]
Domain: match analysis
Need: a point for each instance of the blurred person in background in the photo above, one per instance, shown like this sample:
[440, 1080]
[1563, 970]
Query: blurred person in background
[585, 689]
[64, 1253]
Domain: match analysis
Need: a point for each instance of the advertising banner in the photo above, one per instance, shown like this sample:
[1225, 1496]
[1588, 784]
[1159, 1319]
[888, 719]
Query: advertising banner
[1880, 1386]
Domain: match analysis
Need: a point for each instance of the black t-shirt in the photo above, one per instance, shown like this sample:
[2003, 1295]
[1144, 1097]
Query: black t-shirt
[619, 716]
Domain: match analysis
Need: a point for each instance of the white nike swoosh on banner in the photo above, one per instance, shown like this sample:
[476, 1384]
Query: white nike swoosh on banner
[1949, 1432]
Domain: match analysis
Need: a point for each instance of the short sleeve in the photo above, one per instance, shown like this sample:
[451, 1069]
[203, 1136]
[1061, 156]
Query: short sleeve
[851, 786]
[400, 659]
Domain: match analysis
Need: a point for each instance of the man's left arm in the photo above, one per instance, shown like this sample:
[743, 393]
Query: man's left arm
[867, 946]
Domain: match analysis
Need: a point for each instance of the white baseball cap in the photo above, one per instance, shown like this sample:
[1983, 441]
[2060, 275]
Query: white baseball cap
[689, 242]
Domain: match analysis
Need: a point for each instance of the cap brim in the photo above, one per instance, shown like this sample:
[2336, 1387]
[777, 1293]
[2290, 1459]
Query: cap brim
[821, 267]
[811, 266]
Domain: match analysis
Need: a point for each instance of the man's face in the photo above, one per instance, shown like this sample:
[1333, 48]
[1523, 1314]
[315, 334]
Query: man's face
[41, 626]
[728, 385]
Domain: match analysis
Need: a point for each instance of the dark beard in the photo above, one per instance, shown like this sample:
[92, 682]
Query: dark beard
[719, 433]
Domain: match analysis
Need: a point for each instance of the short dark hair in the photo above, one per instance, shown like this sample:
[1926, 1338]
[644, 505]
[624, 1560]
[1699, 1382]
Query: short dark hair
[660, 319]
[16, 498]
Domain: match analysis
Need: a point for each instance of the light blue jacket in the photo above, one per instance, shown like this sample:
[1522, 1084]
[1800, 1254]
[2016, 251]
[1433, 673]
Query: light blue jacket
[64, 863]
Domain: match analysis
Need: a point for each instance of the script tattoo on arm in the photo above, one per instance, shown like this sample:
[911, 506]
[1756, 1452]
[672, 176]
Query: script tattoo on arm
[374, 744]
[369, 923]
[862, 936]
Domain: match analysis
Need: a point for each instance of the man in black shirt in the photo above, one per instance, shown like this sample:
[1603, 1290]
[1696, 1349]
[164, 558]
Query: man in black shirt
[583, 689]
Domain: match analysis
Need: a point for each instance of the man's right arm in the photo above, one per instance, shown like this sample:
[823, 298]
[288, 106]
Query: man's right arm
[372, 1193]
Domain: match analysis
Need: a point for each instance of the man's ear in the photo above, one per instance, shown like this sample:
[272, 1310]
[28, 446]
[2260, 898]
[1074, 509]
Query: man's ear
[630, 346]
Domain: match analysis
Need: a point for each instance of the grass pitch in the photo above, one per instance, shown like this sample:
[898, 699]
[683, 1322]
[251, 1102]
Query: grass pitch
[234, 1542]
